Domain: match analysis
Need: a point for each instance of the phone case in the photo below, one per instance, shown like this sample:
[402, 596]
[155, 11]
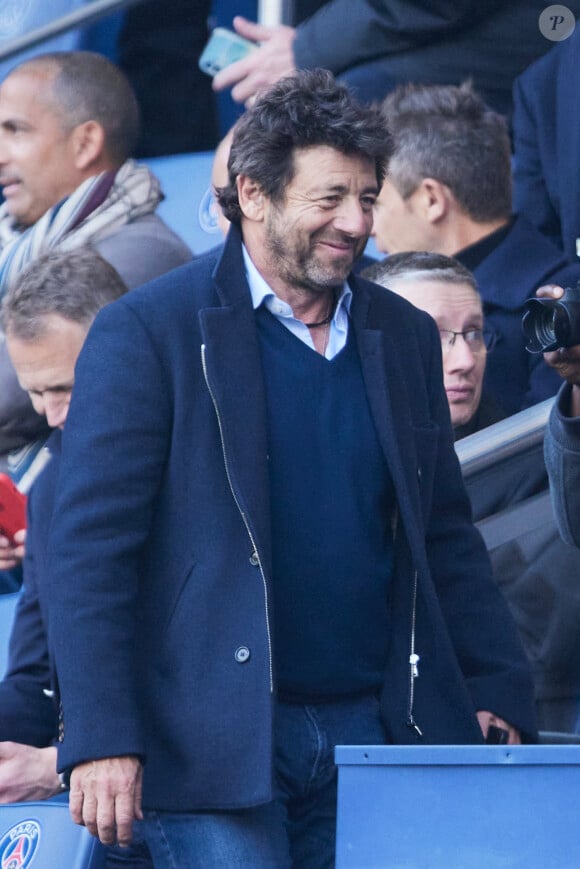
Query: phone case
[223, 48]
[12, 508]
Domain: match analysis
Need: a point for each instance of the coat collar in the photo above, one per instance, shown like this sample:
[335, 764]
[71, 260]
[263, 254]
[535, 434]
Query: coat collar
[233, 370]
[524, 260]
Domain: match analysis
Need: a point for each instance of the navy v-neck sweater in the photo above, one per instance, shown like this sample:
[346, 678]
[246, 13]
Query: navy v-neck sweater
[331, 502]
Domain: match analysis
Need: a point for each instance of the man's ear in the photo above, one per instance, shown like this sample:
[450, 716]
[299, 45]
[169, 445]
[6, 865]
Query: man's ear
[88, 141]
[251, 198]
[436, 199]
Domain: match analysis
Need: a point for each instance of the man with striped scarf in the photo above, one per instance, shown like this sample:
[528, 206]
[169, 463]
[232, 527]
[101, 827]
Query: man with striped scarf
[68, 124]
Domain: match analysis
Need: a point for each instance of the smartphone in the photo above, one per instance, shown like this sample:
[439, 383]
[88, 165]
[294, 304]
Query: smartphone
[497, 735]
[223, 47]
[12, 508]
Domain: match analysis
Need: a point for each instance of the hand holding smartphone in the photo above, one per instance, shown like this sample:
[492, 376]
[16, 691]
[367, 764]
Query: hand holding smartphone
[223, 48]
[12, 508]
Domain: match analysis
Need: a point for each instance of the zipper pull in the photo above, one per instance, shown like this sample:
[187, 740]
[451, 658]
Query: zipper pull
[414, 726]
[413, 661]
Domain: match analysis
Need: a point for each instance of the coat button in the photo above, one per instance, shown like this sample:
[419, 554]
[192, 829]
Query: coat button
[242, 654]
[419, 473]
[254, 560]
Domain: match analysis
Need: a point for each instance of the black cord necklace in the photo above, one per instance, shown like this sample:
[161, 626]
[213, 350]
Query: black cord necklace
[324, 322]
[328, 317]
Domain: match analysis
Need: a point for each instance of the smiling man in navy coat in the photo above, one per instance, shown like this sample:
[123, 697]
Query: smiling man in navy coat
[266, 549]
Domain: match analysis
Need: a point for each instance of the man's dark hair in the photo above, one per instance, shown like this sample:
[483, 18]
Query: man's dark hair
[88, 87]
[72, 284]
[420, 265]
[304, 110]
[448, 133]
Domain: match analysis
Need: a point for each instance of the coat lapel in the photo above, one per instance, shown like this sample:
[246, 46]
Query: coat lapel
[233, 370]
[386, 391]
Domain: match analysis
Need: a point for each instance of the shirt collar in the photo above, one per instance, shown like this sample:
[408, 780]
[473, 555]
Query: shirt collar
[263, 294]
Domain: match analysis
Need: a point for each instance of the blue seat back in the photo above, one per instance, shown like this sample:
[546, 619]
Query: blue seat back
[188, 207]
[43, 836]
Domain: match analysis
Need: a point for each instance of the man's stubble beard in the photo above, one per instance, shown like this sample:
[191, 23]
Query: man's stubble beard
[300, 268]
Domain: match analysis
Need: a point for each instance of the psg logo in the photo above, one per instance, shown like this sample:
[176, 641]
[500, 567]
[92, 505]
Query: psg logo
[207, 212]
[19, 845]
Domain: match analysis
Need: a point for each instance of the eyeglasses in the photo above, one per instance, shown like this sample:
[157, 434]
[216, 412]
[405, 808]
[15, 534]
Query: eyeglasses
[476, 339]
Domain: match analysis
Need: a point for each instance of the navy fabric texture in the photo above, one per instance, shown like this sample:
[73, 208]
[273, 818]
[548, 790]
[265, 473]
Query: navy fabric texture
[26, 714]
[329, 493]
[547, 143]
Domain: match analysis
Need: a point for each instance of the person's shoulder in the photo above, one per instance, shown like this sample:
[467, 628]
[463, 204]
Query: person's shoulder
[525, 253]
[190, 284]
[388, 306]
[153, 227]
[143, 250]
[543, 73]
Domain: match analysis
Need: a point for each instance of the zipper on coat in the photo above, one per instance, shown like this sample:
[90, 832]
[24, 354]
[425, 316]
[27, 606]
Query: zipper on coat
[255, 557]
[413, 662]
[413, 656]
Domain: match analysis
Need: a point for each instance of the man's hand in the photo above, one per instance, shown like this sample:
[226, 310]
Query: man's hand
[261, 68]
[566, 360]
[488, 718]
[11, 554]
[27, 773]
[105, 796]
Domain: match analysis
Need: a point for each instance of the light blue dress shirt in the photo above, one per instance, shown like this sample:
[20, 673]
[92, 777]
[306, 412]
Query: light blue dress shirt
[262, 294]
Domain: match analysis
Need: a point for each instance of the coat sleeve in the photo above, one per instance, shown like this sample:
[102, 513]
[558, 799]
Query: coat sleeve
[562, 454]
[480, 626]
[114, 449]
[342, 33]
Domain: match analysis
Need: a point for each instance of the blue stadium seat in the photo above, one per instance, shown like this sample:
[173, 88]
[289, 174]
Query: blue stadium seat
[188, 206]
[42, 835]
[7, 607]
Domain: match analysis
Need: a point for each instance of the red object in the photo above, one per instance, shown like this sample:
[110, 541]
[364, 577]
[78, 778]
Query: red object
[12, 508]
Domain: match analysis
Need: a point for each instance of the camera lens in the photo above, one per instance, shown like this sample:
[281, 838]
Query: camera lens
[539, 325]
[552, 323]
[545, 326]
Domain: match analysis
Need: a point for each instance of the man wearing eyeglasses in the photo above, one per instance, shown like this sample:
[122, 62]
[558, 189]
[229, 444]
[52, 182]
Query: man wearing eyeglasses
[448, 191]
[447, 291]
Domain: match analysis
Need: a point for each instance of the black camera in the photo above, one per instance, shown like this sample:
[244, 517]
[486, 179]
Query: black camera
[552, 323]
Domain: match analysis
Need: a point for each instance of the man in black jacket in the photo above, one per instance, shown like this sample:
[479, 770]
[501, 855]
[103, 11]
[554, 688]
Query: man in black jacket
[374, 45]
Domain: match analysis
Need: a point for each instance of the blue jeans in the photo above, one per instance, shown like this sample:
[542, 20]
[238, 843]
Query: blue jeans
[136, 856]
[298, 828]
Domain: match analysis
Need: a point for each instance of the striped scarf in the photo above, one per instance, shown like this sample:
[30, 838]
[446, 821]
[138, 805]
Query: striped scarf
[97, 208]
